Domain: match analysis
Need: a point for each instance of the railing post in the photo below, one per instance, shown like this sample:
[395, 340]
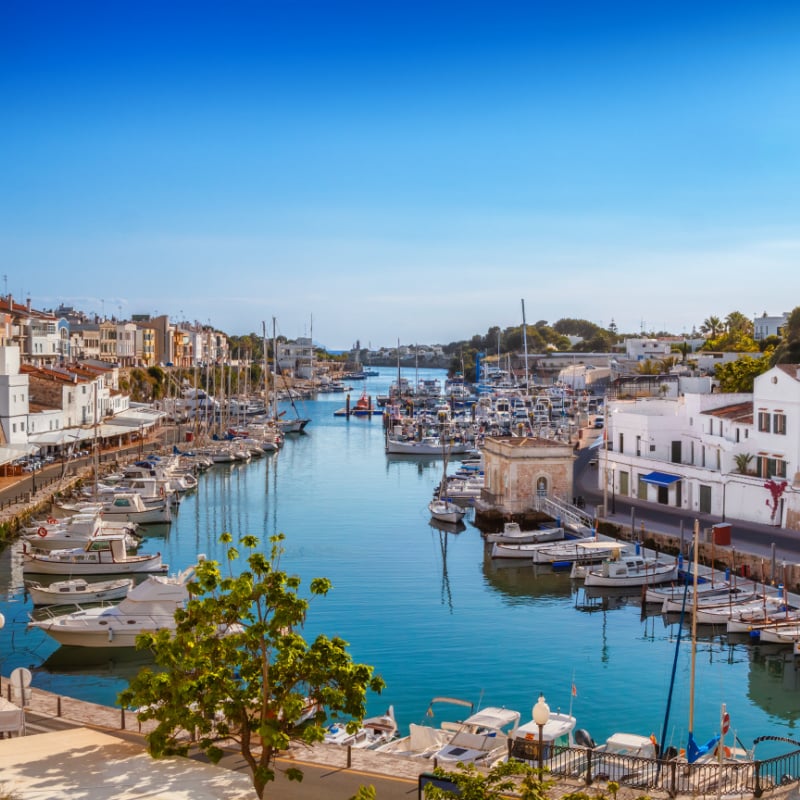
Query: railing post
[122, 719]
[349, 756]
[588, 778]
[757, 790]
[58, 706]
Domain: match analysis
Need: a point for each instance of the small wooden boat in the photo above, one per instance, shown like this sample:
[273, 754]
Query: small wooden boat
[106, 555]
[631, 570]
[77, 590]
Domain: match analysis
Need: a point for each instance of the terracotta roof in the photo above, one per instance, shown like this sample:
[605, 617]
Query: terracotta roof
[791, 370]
[736, 412]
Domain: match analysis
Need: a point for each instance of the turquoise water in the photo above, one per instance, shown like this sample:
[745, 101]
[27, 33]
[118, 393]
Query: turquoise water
[429, 609]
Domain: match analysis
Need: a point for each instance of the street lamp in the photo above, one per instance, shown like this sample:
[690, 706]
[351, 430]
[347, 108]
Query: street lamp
[541, 713]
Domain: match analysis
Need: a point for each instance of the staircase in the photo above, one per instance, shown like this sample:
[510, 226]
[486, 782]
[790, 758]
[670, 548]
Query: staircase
[571, 516]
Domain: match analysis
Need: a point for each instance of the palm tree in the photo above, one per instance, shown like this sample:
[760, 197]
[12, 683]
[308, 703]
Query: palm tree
[711, 327]
[742, 460]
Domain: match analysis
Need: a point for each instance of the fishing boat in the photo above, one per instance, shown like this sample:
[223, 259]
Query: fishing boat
[76, 530]
[148, 608]
[630, 569]
[100, 556]
[77, 590]
[513, 534]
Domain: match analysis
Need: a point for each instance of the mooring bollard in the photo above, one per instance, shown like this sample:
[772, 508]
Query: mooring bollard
[349, 756]
[58, 706]
[122, 721]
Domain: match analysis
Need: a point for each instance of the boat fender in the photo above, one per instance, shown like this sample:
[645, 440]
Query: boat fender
[583, 738]
[52, 520]
[161, 491]
[42, 531]
[110, 634]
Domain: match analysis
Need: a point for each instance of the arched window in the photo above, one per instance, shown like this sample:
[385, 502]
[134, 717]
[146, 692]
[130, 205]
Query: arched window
[541, 487]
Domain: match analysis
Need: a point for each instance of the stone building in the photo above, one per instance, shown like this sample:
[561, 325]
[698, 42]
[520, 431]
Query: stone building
[517, 469]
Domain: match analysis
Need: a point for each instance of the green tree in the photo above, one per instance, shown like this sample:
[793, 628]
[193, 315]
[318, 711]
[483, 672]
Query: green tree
[501, 779]
[253, 683]
[738, 376]
[738, 323]
[788, 351]
[742, 461]
[711, 327]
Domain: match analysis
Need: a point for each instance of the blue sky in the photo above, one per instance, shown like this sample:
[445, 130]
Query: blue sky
[401, 170]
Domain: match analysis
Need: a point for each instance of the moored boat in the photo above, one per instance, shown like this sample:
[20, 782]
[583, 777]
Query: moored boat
[77, 590]
[148, 607]
[106, 555]
[631, 570]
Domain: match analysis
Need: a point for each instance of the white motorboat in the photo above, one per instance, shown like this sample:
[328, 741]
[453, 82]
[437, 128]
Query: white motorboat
[482, 738]
[556, 734]
[423, 741]
[622, 757]
[372, 733]
[131, 507]
[725, 599]
[149, 607]
[100, 556]
[631, 570]
[513, 534]
[426, 446]
[77, 590]
[76, 530]
[656, 595]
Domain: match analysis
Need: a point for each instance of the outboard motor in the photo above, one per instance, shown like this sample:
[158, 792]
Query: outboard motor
[583, 738]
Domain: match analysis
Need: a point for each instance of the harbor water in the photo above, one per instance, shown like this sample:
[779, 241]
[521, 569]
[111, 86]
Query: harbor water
[429, 608]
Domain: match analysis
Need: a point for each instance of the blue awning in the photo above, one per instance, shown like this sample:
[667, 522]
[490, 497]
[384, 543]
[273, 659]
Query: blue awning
[660, 478]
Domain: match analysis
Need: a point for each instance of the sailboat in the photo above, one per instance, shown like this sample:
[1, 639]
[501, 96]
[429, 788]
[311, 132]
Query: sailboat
[298, 423]
[441, 507]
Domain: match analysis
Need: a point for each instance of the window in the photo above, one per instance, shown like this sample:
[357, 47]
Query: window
[779, 423]
[763, 421]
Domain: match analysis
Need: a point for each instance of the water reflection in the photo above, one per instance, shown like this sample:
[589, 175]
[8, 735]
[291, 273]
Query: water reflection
[516, 580]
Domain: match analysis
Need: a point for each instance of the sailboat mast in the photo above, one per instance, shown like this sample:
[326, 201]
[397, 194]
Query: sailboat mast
[525, 345]
[694, 626]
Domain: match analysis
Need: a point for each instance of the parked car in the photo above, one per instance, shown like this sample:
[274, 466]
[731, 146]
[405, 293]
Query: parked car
[598, 422]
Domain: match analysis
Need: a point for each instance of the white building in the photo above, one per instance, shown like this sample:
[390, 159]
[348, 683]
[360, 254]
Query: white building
[765, 326]
[14, 397]
[711, 453]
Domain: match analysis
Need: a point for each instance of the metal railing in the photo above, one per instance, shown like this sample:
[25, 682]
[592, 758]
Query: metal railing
[674, 776]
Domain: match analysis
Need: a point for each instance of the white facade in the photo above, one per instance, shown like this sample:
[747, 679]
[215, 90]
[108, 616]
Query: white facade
[297, 357]
[643, 349]
[126, 343]
[14, 396]
[765, 326]
[691, 443]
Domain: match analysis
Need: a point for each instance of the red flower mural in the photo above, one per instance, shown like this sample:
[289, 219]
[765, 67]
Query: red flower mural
[776, 489]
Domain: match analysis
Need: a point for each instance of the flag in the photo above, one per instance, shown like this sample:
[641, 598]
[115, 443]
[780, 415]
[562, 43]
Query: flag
[574, 690]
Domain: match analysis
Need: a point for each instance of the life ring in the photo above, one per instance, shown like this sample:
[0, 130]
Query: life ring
[52, 521]
[42, 531]
[161, 491]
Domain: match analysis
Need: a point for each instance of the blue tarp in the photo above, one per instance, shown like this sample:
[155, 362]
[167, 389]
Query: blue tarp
[694, 751]
[660, 478]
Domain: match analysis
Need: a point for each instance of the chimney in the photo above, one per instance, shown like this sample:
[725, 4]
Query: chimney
[10, 302]
[28, 304]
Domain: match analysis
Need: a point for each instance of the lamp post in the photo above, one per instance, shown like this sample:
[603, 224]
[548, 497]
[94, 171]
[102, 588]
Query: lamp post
[541, 713]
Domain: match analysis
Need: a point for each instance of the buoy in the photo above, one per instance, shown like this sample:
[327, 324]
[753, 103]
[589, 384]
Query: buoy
[42, 531]
[52, 520]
